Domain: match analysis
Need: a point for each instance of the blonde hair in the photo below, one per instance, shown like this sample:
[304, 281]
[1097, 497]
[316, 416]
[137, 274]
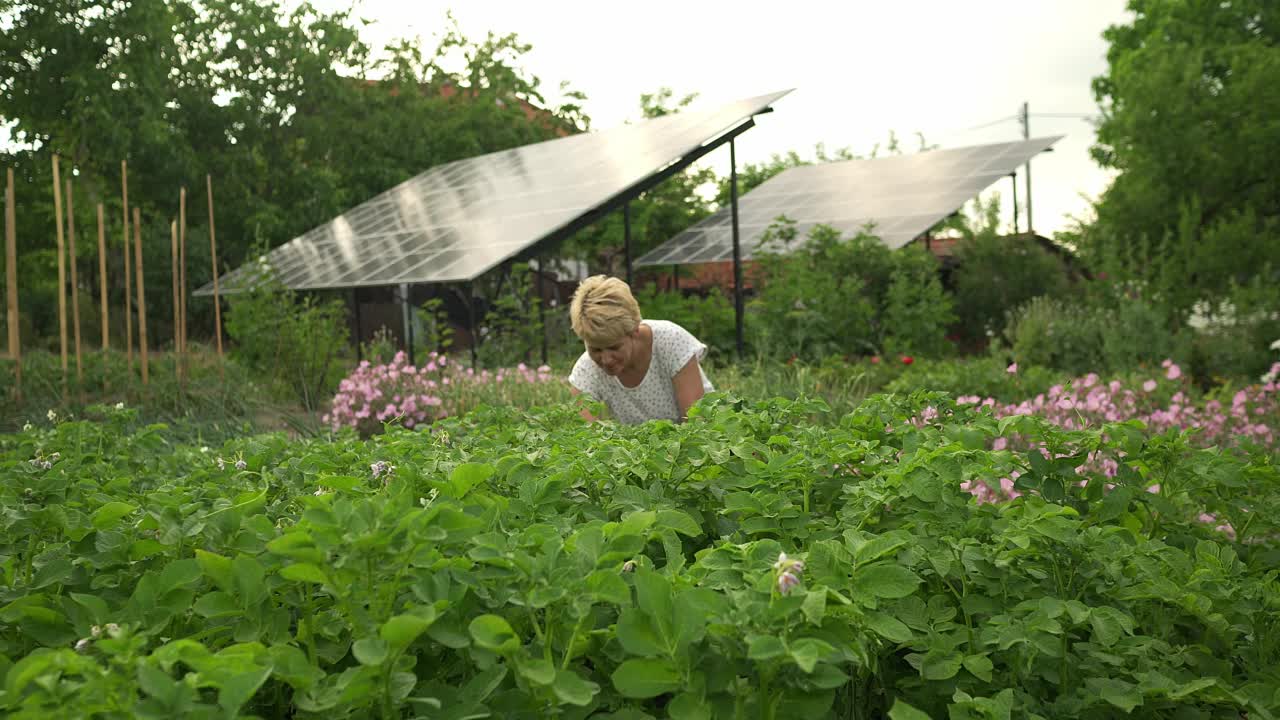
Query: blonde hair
[603, 310]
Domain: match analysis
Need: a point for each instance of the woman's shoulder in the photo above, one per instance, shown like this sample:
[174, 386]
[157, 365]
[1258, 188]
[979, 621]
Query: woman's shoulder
[665, 328]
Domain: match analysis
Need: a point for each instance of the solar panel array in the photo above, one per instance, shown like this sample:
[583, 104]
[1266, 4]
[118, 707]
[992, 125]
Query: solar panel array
[456, 221]
[903, 196]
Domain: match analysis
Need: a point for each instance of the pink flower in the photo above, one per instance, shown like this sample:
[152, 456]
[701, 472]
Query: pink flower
[1149, 386]
[1174, 372]
[1012, 369]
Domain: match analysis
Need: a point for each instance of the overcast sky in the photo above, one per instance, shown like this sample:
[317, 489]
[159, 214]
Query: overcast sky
[859, 69]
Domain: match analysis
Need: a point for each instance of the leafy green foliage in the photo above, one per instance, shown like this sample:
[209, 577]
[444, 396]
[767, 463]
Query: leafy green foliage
[530, 565]
[1114, 333]
[1190, 110]
[997, 274]
[293, 340]
[709, 317]
[294, 117]
[829, 295]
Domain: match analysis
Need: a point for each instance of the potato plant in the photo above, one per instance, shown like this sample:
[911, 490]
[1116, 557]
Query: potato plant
[746, 564]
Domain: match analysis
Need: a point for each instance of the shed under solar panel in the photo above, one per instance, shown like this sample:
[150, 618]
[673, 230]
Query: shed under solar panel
[456, 221]
[902, 196]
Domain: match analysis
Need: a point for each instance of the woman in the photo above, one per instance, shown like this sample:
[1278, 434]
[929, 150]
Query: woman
[641, 369]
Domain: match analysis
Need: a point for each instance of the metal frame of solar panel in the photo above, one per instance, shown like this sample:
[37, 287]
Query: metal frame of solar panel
[457, 221]
[904, 195]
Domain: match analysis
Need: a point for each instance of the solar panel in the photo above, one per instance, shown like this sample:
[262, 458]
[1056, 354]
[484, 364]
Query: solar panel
[456, 221]
[902, 195]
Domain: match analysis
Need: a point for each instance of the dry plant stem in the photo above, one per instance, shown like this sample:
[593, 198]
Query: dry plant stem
[213, 255]
[11, 271]
[182, 271]
[177, 319]
[75, 287]
[62, 274]
[102, 279]
[142, 298]
[128, 282]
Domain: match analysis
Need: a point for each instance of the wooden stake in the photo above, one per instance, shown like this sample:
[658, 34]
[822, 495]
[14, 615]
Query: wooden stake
[102, 283]
[62, 273]
[182, 268]
[75, 287]
[213, 253]
[11, 271]
[142, 297]
[177, 311]
[128, 283]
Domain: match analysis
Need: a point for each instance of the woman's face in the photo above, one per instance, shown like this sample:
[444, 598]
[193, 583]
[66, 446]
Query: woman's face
[615, 357]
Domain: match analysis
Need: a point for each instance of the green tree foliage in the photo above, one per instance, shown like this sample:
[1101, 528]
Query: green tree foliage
[827, 295]
[995, 274]
[1191, 120]
[293, 115]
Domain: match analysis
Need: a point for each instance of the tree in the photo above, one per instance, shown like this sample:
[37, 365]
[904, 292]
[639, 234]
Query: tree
[1191, 120]
[295, 118]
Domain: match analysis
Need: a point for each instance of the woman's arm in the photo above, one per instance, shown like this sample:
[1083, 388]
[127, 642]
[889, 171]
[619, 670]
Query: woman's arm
[688, 386]
[585, 413]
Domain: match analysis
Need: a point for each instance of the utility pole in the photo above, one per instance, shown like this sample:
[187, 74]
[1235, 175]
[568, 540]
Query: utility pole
[1026, 135]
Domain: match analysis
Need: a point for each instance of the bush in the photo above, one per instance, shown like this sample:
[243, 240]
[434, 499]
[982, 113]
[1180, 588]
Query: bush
[985, 376]
[1233, 337]
[293, 340]
[1117, 333]
[997, 274]
[376, 394]
[836, 296]
[709, 317]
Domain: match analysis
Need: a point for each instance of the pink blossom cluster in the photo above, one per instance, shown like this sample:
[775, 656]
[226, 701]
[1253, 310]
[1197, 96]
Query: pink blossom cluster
[1088, 402]
[397, 391]
[1253, 414]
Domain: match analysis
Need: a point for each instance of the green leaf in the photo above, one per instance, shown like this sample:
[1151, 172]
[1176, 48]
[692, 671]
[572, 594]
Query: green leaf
[889, 627]
[401, 630]
[538, 671]
[653, 595]
[1117, 692]
[980, 666]
[304, 572]
[178, 573]
[98, 609]
[679, 521]
[940, 665]
[880, 545]
[107, 515]
[814, 606]
[646, 677]
[1109, 624]
[886, 580]
[493, 632]
[572, 689]
[608, 586]
[370, 650]
[216, 604]
[806, 652]
[902, 711]
[637, 636]
[217, 568]
[636, 523]
[296, 545]
[688, 706]
[239, 688]
[764, 647]
[466, 476]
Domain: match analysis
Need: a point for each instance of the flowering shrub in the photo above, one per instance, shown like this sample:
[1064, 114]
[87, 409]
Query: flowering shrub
[373, 395]
[1252, 416]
